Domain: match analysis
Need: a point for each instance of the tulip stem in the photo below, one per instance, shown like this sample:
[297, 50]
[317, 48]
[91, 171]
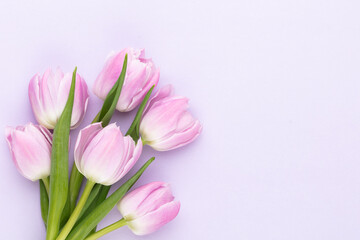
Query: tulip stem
[106, 230]
[74, 216]
[46, 184]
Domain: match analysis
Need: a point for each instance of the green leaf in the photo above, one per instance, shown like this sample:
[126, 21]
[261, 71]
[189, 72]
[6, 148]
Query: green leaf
[88, 224]
[59, 166]
[44, 202]
[110, 102]
[103, 116]
[65, 214]
[134, 128]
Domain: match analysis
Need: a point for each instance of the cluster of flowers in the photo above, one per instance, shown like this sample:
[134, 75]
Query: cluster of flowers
[103, 154]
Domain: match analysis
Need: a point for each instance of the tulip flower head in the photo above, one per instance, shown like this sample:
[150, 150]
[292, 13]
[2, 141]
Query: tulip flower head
[30, 147]
[141, 75]
[166, 123]
[104, 155]
[149, 207]
[48, 95]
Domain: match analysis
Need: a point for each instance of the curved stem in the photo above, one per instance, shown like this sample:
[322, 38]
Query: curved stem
[107, 229]
[46, 184]
[74, 216]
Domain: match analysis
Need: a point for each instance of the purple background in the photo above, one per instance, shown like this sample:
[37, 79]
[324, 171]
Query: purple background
[275, 83]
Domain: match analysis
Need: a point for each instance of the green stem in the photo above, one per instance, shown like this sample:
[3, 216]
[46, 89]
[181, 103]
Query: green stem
[107, 229]
[44, 202]
[74, 216]
[46, 184]
[76, 179]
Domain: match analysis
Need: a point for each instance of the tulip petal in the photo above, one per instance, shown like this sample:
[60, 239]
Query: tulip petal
[80, 102]
[178, 139]
[130, 157]
[163, 118]
[138, 97]
[155, 220]
[129, 204]
[36, 102]
[83, 140]
[103, 155]
[109, 75]
[30, 151]
[156, 199]
[164, 92]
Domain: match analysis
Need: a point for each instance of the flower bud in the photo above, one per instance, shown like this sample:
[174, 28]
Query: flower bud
[141, 75]
[149, 207]
[104, 155]
[48, 95]
[166, 123]
[30, 147]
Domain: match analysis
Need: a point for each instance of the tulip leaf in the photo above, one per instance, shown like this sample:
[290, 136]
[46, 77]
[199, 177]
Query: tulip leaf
[44, 202]
[59, 166]
[103, 116]
[112, 98]
[87, 225]
[134, 128]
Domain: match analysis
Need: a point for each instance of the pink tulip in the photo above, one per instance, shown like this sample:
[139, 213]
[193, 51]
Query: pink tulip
[104, 155]
[141, 75]
[166, 123]
[30, 147]
[48, 95]
[149, 207]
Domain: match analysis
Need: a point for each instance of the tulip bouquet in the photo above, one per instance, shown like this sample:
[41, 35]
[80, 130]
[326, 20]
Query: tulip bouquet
[103, 154]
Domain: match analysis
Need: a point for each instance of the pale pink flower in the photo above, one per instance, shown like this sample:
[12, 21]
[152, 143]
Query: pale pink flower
[149, 207]
[167, 124]
[141, 75]
[49, 93]
[104, 155]
[30, 147]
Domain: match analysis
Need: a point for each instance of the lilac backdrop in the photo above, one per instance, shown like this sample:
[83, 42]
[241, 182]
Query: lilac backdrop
[275, 83]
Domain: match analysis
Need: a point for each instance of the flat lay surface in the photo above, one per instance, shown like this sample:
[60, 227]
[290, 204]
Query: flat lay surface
[275, 84]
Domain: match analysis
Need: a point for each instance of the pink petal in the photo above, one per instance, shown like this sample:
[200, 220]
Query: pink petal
[83, 140]
[162, 119]
[80, 102]
[178, 139]
[155, 200]
[154, 220]
[104, 155]
[109, 75]
[30, 154]
[129, 204]
[164, 92]
[137, 99]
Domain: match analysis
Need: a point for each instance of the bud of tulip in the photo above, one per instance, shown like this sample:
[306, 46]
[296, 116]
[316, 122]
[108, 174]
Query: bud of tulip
[48, 95]
[104, 155]
[141, 75]
[149, 207]
[30, 147]
[166, 122]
